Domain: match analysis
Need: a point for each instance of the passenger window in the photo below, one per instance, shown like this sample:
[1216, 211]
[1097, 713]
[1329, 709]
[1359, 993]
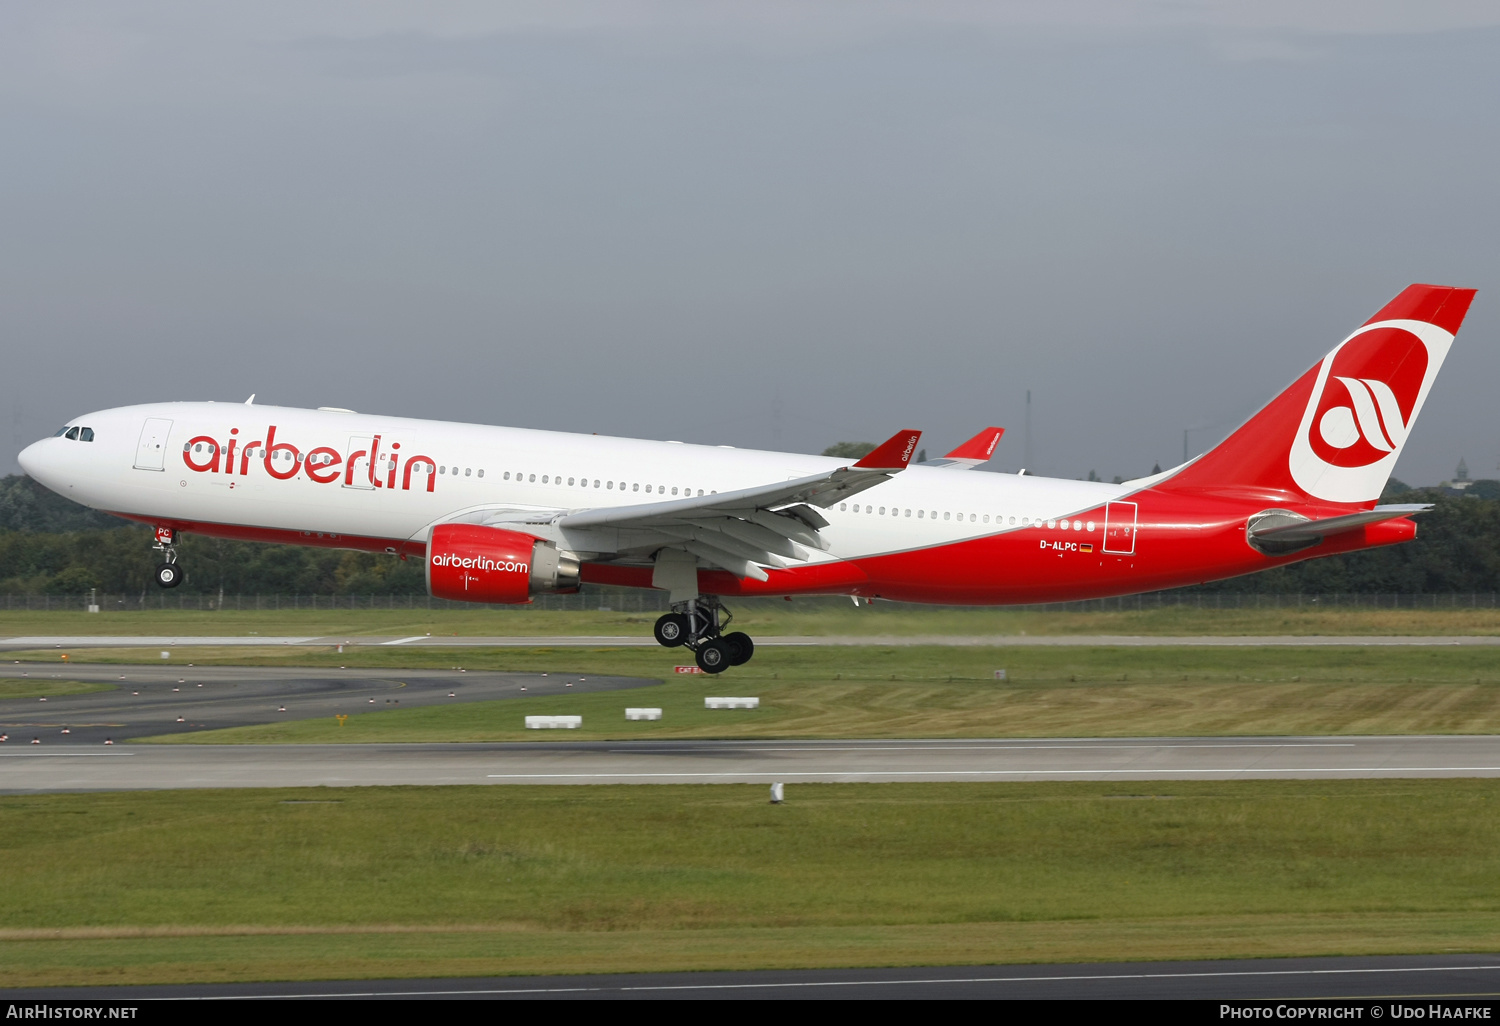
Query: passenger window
[635, 488]
[86, 435]
[468, 471]
[843, 506]
[570, 482]
[544, 479]
[507, 476]
[481, 473]
[648, 489]
[674, 490]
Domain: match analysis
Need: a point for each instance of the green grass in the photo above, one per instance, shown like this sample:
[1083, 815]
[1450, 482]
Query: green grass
[20, 687]
[805, 617]
[922, 691]
[245, 884]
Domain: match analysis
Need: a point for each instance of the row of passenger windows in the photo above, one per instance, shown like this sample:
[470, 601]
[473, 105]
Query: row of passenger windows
[77, 434]
[973, 518]
[519, 476]
[583, 482]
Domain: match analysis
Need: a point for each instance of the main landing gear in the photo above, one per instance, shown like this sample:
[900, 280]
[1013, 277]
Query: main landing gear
[168, 574]
[699, 625]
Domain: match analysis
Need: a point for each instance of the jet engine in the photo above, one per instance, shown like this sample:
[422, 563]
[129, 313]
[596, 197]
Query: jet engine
[489, 564]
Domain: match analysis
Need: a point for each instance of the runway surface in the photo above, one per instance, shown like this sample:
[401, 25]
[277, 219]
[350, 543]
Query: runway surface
[37, 768]
[148, 700]
[169, 642]
[1286, 979]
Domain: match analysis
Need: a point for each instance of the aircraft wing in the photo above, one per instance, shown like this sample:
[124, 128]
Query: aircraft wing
[973, 453]
[767, 524]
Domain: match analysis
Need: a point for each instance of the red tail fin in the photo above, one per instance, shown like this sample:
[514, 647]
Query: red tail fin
[1337, 432]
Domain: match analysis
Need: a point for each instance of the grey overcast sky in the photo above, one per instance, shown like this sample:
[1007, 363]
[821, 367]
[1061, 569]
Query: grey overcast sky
[769, 224]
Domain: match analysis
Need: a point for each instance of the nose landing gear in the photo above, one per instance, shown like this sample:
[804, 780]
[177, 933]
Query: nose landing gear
[699, 625]
[168, 574]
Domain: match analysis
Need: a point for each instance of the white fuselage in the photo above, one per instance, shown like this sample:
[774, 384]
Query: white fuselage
[481, 468]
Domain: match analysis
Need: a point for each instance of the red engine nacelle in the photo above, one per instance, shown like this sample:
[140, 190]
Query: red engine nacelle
[488, 564]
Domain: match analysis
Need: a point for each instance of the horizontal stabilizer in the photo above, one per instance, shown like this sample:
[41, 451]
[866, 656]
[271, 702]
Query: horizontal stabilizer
[1277, 531]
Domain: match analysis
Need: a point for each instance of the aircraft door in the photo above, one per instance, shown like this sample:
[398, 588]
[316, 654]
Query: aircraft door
[1119, 528]
[151, 451]
[357, 462]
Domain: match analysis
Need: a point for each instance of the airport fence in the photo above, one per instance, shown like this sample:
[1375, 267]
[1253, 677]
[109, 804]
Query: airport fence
[632, 600]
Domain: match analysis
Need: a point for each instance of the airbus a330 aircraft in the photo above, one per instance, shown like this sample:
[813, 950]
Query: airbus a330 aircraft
[501, 514]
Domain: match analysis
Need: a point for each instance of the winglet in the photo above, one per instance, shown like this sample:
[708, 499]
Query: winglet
[892, 454]
[979, 448]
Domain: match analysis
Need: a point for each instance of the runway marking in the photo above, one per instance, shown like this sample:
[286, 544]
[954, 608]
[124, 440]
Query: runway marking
[1002, 772]
[405, 641]
[939, 747]
[853, 983]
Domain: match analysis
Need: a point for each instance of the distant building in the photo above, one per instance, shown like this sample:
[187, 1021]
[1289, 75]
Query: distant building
[1460, 484]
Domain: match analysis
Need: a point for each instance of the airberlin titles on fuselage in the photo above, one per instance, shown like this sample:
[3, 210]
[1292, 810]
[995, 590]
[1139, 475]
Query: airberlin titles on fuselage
[323, 464]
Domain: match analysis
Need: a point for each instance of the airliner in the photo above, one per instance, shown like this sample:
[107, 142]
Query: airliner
[502, 514]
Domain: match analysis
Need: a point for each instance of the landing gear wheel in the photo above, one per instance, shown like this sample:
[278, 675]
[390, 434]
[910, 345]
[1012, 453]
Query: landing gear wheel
[713, 656]
[169, 575]
[741, 648]
[671, 630]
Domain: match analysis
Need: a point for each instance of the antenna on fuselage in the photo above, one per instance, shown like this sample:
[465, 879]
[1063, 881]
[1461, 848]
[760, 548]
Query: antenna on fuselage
[251, 400]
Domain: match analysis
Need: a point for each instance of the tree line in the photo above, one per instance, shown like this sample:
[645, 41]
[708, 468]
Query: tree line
[49, 545]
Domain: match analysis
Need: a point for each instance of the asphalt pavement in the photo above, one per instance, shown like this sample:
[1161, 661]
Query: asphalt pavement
[1388, 978]
[27, 768]
[152, 700]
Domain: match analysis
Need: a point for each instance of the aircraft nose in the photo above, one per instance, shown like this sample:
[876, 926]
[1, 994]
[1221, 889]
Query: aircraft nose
[32, 459]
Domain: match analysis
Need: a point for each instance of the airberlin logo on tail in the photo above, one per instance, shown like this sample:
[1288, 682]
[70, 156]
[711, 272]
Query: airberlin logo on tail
[1373, 414]
[1364, 401]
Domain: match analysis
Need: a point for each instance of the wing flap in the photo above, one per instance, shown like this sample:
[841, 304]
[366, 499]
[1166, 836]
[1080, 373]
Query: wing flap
[764, 525]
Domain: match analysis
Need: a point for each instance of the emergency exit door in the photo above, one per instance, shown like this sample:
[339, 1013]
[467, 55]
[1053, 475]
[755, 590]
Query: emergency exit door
[1119, 528]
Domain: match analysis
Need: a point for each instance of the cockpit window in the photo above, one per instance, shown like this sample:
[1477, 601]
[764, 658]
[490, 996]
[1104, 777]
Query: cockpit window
[60, 431]
[86, 434]
[72, 433]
